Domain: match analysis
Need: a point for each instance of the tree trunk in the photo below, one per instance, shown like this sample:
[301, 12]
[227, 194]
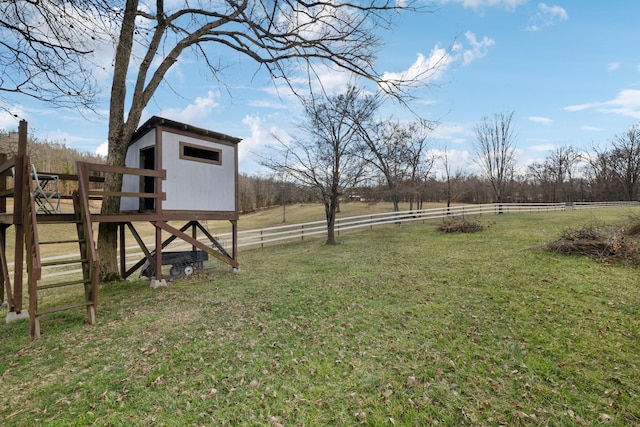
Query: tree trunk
[330, 209]
[120, 134]
[396, 203]
[108, 232]
[107, 248]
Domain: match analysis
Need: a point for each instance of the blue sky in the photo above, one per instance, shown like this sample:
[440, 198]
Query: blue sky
[569, 70]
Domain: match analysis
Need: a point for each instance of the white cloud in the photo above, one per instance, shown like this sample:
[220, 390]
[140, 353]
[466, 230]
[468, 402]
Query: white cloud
[458, 160]
[8, 121]
[613, 66]
[580, 107]
[330, 80]
[263, 103]
[323, 79]
[542, 147]
[195, 113]
[541, 120]
[546, 17]
[480, 4]
[453, 133]
[103, 149]
[626, 103]
[262, 135]
[424, 69]
[427, 69]
[592, 128]
[478, 49]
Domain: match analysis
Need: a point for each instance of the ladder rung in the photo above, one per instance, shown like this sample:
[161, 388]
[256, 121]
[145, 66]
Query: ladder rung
[61, 242]
[51, 219]
[64, 262]
[62, 284]
[63, 308]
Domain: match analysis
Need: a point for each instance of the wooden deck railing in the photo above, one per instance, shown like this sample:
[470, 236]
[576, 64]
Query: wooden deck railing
[89, 168]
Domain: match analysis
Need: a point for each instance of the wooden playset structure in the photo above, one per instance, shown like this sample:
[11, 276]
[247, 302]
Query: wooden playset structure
[174, 173]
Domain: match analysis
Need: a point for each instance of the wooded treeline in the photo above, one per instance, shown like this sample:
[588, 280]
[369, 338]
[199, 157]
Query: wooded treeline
[607, 173]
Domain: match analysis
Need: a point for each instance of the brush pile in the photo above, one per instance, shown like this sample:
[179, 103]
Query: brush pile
[463, 226]
[606, 244]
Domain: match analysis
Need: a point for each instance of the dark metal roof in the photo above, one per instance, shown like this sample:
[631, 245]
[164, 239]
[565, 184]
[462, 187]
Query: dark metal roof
[156, 121]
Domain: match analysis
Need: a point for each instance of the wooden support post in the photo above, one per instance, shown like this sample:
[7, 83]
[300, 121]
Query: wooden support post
[123, 255]
[194, 234]
[234, 240]
[158, 252]
[21, 168]
[3, 230]
[6, 281]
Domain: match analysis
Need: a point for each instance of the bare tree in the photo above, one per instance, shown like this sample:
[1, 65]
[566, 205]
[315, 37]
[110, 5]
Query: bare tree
[420, 163]
[539, 173]
[452, 178]
[625, 160]
[397, 151]
[495, 151]
[46, 49]
[563, 162]
[614, 173]
[602, 176]
[327, 160]
[556, 174]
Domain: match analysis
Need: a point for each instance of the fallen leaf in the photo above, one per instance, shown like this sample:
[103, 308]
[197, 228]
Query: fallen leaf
[606, 417]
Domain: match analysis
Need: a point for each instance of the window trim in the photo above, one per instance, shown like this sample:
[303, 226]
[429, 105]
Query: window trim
[184, 156]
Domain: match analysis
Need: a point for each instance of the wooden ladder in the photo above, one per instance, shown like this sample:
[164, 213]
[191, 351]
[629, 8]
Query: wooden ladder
[88, 280]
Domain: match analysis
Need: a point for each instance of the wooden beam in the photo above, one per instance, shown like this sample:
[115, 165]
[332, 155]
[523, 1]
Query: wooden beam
[180, 234]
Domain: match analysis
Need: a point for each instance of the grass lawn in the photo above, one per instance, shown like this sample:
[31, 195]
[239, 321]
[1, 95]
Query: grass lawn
[402, 325]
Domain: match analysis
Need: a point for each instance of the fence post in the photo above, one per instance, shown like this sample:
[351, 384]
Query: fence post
[302, 232]
[261, 240]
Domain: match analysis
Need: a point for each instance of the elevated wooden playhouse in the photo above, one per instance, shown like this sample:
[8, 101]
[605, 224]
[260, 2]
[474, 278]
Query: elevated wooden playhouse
[174, 174]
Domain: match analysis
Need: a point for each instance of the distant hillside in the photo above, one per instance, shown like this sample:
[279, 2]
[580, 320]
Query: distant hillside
[47, 156]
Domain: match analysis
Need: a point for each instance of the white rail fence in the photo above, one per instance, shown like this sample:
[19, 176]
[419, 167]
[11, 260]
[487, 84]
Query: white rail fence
[259, 238]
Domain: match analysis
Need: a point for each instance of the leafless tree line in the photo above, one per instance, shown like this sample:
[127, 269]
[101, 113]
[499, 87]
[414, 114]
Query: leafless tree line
[388, 160]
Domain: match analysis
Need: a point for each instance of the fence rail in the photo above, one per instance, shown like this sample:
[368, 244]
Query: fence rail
[259, 238]
[270, 235]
